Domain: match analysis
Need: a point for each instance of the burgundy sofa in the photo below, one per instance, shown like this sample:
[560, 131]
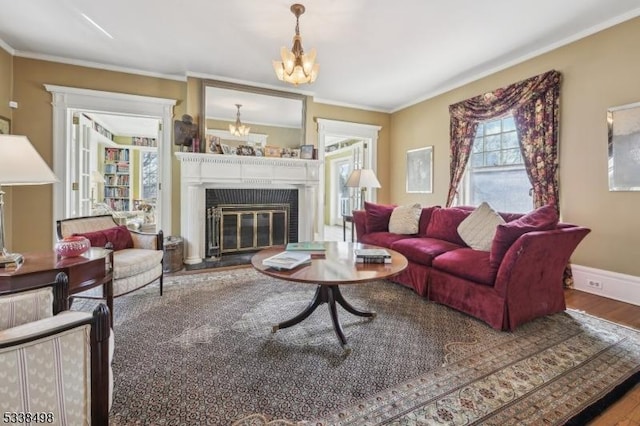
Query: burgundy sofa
[519, 279]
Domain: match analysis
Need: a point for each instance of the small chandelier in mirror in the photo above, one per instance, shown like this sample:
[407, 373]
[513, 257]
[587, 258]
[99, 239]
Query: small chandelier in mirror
[296, 67]
[238, 129]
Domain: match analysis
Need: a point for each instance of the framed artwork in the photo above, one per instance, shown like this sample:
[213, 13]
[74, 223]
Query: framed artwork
[213, 145]
[226, 149]
[623, 124]
[306, 152]
[420, 170]
[5, 126]
[272, 151]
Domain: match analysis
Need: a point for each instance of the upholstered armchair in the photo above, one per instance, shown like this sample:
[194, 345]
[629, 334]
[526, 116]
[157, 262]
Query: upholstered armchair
[137, 257]
[54, 366]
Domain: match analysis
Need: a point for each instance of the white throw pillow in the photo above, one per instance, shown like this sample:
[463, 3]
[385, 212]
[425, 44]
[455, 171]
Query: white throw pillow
[478, 229]
[405, 219]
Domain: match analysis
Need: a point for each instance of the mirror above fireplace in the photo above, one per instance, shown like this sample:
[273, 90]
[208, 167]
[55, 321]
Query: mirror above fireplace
[274, 117]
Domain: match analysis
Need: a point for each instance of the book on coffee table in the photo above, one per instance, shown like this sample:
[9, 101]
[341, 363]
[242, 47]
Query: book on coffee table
[287, 260]
[306, 246]
[378, 253]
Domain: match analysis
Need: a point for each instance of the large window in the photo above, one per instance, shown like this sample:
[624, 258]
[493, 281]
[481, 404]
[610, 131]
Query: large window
[496, 173]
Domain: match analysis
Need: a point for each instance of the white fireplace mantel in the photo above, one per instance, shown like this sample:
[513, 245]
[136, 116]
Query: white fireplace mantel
[198, 172]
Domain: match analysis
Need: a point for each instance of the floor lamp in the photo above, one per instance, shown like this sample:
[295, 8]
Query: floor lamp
[20, 164]
[363, 179]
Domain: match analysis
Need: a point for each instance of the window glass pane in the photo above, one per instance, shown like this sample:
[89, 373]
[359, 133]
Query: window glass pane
[508, 124]
[492, 143]
[492, 127]
[505, 190]
[511, 156]
[149, 175]
[510, 140]
[480, 130]
[477, 160]
[478, 145]
[492, 158]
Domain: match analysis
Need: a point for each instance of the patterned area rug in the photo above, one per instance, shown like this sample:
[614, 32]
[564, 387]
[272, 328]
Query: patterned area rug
[204, 354]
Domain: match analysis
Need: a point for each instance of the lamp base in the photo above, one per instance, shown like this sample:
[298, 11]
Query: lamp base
[11, 260]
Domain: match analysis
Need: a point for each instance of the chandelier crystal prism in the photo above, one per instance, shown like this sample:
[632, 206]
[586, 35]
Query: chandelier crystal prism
[238, 129]
[296, 67]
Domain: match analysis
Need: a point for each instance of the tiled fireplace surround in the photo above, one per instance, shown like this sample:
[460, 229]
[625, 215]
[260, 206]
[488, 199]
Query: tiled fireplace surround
[199, 172]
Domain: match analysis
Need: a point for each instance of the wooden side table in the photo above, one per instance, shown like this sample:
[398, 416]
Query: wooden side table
[94, 268]
[347, 218]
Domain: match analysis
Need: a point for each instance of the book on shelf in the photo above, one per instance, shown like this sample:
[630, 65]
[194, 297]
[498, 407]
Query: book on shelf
[312, 247]
[373, 259]
[287, 260]
[382, 253]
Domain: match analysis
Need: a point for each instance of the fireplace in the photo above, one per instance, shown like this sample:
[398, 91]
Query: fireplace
[257, 181]
[240, 220]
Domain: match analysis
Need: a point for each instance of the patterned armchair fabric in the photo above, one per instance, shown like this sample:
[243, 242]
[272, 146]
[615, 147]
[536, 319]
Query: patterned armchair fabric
[56, 365]
[133, 268]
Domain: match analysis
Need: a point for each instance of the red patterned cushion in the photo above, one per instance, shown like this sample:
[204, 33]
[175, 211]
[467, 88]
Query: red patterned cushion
[118, 236]
[444, 224]
[543, 218]
[378, 216]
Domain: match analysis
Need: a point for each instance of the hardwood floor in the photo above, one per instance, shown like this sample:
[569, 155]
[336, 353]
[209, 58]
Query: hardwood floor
[626, 411]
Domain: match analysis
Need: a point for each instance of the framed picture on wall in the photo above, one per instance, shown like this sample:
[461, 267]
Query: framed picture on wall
[624, 147]
[420, 170]
[5, 126]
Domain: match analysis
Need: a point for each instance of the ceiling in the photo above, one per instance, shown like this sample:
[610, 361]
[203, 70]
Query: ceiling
[374, 54]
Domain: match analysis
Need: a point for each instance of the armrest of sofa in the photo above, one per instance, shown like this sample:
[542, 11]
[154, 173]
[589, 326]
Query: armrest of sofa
[147, 240]
[360, 222]
[530, 274]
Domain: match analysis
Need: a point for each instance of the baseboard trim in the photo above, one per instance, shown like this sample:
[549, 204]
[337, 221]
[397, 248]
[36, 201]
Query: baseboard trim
[622, 287]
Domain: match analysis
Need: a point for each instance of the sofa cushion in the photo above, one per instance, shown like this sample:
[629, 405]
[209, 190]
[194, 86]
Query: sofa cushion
[543, 218]
[130, 262]
[467, 263]
[444, 224]
[405, 219]
[422, 250]
[382, 239]
[478, 229]
[378, 216]
[425, 218]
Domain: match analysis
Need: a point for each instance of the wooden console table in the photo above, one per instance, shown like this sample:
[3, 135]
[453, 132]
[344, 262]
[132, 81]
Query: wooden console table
[92, 269]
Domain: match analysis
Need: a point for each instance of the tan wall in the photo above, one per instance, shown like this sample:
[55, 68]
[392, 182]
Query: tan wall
[32, 224]
[6, 94]
[598, 72]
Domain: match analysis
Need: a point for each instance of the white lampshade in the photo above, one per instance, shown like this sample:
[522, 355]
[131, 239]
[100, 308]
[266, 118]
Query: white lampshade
[363, 178]
[20, 163]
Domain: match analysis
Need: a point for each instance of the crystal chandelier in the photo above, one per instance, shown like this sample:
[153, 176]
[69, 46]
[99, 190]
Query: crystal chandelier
[238, 129]
[296, 67]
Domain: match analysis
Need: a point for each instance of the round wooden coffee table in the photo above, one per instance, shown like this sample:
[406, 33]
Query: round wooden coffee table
[337, 267]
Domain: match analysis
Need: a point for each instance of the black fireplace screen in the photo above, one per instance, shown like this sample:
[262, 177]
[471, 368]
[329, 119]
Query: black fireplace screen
[249, 219]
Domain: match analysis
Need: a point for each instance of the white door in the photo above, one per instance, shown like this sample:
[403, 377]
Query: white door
[78, 174]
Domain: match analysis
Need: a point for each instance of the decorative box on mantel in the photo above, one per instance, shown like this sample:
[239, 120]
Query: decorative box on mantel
[198, 172]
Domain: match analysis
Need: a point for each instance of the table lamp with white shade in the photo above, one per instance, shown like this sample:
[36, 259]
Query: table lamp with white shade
[20, 164]
[363, 179]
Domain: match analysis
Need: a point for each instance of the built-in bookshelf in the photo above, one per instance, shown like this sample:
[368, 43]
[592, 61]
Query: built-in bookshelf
[117, 177]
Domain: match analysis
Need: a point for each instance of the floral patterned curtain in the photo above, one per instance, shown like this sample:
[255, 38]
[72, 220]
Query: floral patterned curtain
[535, 104]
